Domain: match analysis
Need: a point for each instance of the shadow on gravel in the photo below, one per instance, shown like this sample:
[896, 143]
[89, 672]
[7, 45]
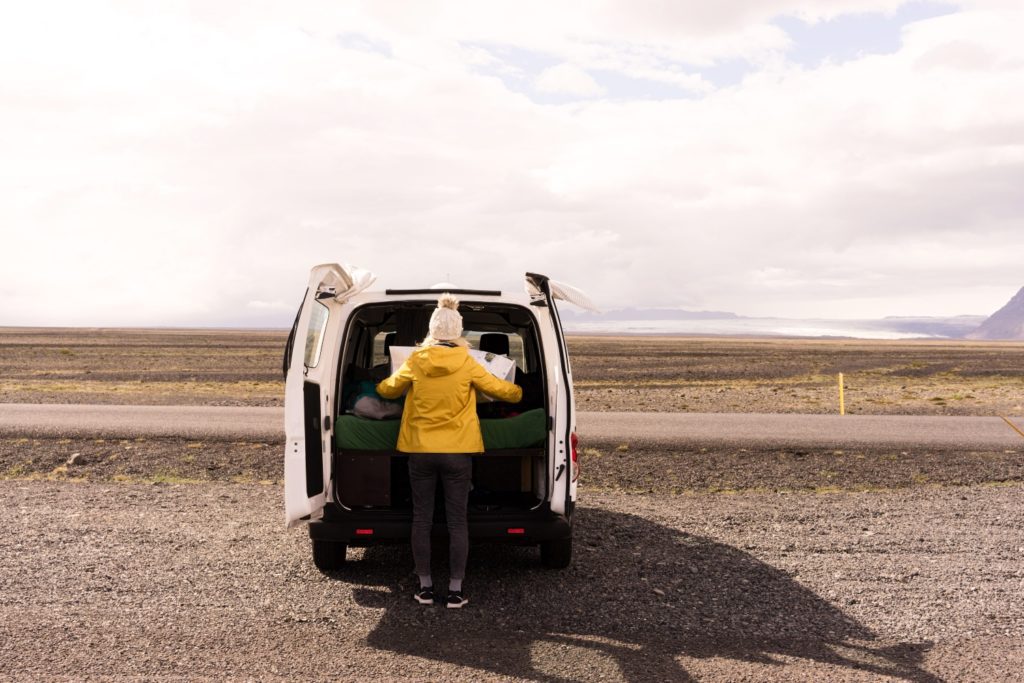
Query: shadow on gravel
[638, 598]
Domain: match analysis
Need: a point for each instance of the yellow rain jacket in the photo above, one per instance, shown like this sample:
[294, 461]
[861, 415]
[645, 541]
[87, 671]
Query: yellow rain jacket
[440, 409]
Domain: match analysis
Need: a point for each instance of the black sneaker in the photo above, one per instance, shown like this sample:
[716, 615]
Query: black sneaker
[455, 600]
[424, 596]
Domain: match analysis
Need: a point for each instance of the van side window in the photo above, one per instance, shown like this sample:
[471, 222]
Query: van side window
[315, 334]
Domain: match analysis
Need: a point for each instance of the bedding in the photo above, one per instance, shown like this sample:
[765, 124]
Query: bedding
[522, 431]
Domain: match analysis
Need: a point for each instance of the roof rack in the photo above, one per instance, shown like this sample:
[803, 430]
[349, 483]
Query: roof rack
[474, 292]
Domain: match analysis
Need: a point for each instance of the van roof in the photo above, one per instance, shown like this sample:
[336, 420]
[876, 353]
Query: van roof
[465, 295]
[434, 290]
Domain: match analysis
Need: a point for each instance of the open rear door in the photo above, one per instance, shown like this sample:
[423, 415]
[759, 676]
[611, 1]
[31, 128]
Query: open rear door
[543, 289]
[311, 360]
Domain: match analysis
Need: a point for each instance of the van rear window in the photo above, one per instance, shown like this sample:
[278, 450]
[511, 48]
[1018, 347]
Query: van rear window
[506, 344]
[315, 334]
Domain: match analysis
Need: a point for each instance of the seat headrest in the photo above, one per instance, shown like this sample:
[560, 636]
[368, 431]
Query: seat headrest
[494, 342]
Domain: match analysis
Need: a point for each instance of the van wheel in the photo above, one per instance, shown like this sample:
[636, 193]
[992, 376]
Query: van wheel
[556, 554]
[328, 556]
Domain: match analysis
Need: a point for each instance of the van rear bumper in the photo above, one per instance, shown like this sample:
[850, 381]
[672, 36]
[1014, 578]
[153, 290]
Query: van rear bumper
[365, 530]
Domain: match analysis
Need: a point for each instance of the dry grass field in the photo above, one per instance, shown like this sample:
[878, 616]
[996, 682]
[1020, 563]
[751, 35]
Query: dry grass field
[243, 367]
[141, 367]
[798, 375]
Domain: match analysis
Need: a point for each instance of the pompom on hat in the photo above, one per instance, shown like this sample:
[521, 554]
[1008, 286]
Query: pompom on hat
[445, 321]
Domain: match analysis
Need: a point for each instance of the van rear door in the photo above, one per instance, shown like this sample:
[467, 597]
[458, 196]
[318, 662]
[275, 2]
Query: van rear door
[540, 287]
[311, 360]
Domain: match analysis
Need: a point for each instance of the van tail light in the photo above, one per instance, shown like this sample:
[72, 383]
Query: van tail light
[364, 532]
[517, 531]
[574, 442]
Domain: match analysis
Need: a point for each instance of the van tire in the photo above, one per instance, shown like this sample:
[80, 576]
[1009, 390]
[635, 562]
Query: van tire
[328, 556]
[556, 554]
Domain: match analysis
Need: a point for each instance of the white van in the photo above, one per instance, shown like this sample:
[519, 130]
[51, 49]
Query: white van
[342, 473]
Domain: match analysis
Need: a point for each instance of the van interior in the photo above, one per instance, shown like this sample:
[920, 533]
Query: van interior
[368, 473]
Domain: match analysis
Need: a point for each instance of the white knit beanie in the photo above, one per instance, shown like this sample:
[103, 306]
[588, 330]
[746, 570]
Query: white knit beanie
[445, 321]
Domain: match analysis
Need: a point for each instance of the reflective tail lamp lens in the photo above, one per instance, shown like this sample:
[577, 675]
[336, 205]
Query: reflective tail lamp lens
[364, 532]
[574, 442]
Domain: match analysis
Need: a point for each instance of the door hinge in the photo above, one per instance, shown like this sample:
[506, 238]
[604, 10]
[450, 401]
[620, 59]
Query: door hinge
[327, 423]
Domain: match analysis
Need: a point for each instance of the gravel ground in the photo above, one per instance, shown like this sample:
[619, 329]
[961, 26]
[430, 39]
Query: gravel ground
[166, 559]
[606, 466]
[106, 580]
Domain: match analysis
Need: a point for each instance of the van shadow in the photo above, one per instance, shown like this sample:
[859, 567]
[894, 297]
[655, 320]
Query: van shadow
[673, 594]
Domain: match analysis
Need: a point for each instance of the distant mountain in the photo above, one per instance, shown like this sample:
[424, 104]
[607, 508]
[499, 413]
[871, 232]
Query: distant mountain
[645, 314]
[1006, 323]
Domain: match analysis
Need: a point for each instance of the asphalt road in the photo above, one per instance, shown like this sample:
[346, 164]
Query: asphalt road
[733, 429]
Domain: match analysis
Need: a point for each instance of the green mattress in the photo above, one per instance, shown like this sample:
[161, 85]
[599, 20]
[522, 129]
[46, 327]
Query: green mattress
[362, 434]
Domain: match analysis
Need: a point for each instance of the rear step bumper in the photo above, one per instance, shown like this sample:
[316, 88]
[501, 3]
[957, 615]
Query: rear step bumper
[517, 529]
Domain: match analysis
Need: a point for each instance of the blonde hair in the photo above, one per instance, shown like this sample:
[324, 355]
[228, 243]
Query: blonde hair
[461, 341]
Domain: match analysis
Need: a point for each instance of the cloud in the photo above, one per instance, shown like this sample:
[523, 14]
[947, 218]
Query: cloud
[165, 166]
[568, 79]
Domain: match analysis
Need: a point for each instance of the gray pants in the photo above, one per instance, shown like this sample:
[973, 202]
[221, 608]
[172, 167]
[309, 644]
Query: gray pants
[455, 471]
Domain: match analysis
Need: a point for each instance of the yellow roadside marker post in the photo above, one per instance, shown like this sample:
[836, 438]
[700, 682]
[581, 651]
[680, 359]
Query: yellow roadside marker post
[842, 403]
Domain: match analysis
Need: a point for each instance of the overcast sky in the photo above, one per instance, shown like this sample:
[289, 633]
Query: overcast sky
[186, 163]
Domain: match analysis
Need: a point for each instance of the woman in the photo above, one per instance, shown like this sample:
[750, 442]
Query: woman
[440, 430]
